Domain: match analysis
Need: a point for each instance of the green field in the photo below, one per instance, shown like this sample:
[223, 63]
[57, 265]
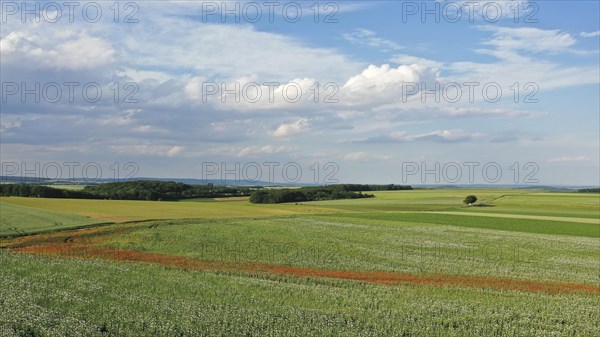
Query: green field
[406, 263]
[133, 210]
[51, 297]
[16, 219]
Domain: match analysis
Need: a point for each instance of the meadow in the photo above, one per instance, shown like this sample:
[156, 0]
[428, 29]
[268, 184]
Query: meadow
[405, 263]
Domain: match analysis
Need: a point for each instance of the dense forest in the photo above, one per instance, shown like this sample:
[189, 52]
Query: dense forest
[130, 190]
[331, 192]
[162, 190]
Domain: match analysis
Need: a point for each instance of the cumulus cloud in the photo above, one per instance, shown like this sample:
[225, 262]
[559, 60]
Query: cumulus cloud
[249, 94]
[171, 55]
[291, 129]
[378, 85]
[410, 59]
[195, 87]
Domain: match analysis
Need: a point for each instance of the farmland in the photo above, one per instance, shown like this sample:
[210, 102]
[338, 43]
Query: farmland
[133, 210]
[405, 263]
[18, 220]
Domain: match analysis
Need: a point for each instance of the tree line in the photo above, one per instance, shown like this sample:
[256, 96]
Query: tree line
[331, 192]
[130, 190]
[40, 191]
[155, 190]
[589, 190]
[369, 187]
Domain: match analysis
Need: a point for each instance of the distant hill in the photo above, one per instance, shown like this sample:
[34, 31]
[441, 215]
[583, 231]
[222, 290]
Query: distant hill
[556, 188]
[219, 182]
[189, 181]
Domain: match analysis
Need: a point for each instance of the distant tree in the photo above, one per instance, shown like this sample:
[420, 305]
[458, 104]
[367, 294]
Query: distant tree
[470, 199]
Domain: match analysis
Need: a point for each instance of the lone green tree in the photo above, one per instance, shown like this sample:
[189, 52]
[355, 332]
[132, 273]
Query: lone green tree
[470, 199]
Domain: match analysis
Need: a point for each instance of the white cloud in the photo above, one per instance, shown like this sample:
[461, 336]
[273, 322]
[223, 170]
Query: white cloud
[173, 54]
[489, 9]
[568, 159]
[145, 149]
[6, 126]
[148, 129]
[590, 34]
[375, 91]
[520, 53]
[233, 51]
[370, 38]
[175, 150]
[363, 157]
[356, 156]
[121, 120]
[464, 111]
[194, 88]
[69, 50]
[529, 39]
[438, 136]
[248, 94]
[409, 59]
[250, 151]
[378, 85]
[448, 136]
[16, 41]
[294, 128]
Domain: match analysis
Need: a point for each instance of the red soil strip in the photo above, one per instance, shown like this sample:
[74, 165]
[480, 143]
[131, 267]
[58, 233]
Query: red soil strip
[76, 250]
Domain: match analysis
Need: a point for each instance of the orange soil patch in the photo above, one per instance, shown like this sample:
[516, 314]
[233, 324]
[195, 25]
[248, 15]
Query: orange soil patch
[77, 250]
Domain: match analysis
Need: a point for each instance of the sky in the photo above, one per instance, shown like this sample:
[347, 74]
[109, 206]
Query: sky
[447, 92]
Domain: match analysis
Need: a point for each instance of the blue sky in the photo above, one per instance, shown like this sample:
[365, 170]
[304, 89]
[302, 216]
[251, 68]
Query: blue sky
[375, 56]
